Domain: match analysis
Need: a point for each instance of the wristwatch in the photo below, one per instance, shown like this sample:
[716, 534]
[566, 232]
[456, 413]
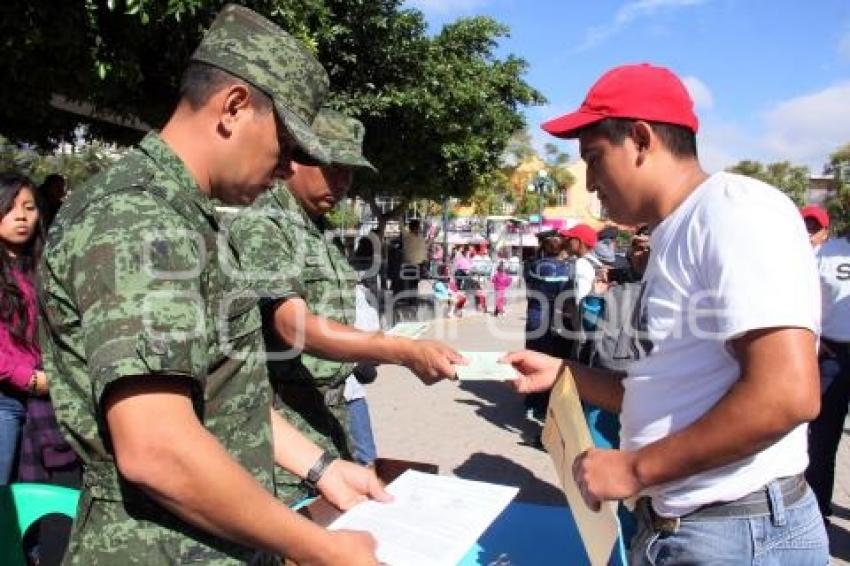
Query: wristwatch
[318, 469]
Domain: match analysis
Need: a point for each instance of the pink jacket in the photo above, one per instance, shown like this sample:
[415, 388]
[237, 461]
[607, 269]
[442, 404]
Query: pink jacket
[17, 362]
[501, 281]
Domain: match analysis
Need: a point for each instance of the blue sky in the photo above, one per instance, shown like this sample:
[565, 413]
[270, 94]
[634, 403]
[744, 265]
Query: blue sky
[770, 78]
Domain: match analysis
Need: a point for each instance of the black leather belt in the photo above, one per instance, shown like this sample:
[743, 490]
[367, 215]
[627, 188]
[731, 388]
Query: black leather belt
[756, 503]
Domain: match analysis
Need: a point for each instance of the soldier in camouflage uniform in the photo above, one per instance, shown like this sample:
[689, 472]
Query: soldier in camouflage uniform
[308, 289]
[156, 363]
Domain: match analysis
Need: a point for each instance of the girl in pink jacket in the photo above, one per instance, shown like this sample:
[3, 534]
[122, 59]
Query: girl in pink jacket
[501, 282]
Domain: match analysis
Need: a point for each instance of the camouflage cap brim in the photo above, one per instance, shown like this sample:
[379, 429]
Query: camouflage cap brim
[363, 162]
[304, 136]
[342, 136]
[343, 153]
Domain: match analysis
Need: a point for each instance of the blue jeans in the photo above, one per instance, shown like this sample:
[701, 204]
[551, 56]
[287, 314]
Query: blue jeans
[360, 426]
[12, 414]
[793, 535]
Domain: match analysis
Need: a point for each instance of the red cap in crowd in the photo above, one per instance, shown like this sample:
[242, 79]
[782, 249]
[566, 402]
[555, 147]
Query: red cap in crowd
[584, 233]
[817, 213]
[640, 92]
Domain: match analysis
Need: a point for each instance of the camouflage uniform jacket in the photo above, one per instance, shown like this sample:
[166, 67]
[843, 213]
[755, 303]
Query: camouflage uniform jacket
[135, 283]
[284, 254]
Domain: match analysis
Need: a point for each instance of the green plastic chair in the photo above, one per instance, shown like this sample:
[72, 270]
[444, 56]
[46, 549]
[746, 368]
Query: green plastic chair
[21, 505]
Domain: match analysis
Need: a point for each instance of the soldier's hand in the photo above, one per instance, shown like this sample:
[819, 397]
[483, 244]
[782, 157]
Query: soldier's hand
[345, 484]
[346, 548]
[432, 361]
[538, 372]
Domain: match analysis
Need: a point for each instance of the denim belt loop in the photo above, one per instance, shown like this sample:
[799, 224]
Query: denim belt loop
[777, 504]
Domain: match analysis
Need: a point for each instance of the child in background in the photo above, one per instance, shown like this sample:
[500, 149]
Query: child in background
[480, 300]
[458, 299]
[501, 282]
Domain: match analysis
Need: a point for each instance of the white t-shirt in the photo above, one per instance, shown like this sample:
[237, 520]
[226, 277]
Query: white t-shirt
[585, 276]
[733, 257]
[833, 259]
[365, 318]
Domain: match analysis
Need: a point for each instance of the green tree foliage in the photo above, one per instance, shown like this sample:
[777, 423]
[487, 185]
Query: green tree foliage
[840, 156]
[793, 180]
[529, 203]
[491, 193]
[343, 216]
[122, 57]
[838, 204]
[460, 107]
[438, 110]
[557, 162]
[518, 148]
[75, 161]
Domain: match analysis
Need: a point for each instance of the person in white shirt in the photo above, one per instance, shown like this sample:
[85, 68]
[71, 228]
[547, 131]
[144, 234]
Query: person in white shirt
[714, 410]
[580, 241]
[833, 260]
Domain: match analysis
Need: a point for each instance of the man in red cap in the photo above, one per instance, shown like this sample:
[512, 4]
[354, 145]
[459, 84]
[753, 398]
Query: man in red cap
[833, 260]
[715, 406]
[580, 241]
[817, 224]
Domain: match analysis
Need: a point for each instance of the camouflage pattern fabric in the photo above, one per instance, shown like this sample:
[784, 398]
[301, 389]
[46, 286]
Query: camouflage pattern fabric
[285, 253]
[249, 46]
[342, 137]
[134, 283]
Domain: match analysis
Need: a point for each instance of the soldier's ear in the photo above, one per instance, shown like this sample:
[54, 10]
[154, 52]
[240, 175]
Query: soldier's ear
[234, 100]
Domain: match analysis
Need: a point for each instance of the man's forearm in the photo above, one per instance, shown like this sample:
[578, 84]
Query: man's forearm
[162, 448]
[600, 387]
[292, 450]
[214, 493]
[316, 335]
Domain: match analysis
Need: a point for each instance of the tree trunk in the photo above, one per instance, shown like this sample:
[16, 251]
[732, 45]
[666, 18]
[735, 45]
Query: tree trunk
[383, 219]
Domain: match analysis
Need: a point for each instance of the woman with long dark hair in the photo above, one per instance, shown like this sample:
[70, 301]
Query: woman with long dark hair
[21, 239]
[29, 433]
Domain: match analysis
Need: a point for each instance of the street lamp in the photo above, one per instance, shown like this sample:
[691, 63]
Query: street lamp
[539, 184]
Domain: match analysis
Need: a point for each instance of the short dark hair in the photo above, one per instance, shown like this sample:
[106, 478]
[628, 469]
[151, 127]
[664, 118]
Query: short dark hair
[201, 81]
[680, 140]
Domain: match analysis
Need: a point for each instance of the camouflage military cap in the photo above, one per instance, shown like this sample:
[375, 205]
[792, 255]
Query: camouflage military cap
[342, 137]
[250, 47]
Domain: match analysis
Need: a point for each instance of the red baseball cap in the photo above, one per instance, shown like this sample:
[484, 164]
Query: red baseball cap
[584, 233]
[640, 92]
[817, 213]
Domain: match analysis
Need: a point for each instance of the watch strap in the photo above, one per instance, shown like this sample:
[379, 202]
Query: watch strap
[318, 469]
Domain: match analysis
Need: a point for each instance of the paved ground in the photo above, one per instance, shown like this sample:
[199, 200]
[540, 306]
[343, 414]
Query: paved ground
[479, 431]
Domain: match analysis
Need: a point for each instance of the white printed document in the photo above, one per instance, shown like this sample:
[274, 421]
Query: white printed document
[433, 521]
[485, 366]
